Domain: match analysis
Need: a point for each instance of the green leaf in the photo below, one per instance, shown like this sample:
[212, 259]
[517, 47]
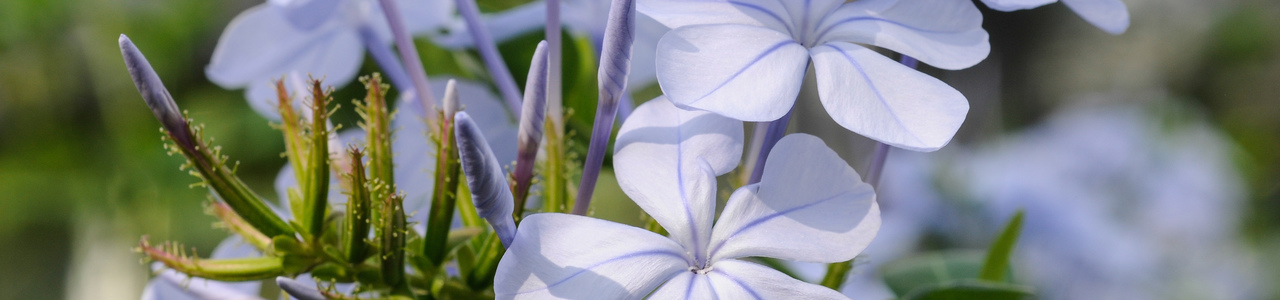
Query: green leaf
[997, 262]
[970, 289]
[284, 244]
[904, 275]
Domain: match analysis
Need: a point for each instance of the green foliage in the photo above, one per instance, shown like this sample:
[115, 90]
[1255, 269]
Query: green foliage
[997, 262]
[970, 290]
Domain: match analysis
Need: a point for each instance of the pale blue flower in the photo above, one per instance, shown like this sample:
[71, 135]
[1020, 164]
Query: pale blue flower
[746, 59]
[810, 206]
[586, 17]
[321, 38]
[1109, 15]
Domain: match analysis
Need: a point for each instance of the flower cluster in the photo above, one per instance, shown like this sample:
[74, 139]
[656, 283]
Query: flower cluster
[398, 207]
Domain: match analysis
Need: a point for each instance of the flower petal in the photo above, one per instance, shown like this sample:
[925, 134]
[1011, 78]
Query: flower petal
[420, 16]
[260, 45]
[503, 25]
[1012, 5]
[679, 13]
[686, 285]
[306, 14]
[735, 279]
[883, 100]
[1111, 16]
[809, 206]
[744, 72]
[945, 34]
[643, 51]
[576, 257]
[667, 158]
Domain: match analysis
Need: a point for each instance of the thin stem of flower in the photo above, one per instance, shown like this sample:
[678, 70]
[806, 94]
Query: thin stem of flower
[489, 53]
[595, 157]
[554, 188]
[385, 58]
[776, 130]
[409, 55]
[877, 164]
[615, 65]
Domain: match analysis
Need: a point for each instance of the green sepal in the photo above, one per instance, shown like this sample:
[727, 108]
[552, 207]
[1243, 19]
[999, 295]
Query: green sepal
[236, 269]
[287, 245]
[393, 241]
[486, 266]
[443, 204]
[358, 213]
[971, 289]
[454, 289]
[996, 264]
[315, 175]
[333, 272]
[294, 264]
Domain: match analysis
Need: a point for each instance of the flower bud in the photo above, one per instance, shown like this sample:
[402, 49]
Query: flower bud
[531, 122]
[156, 96]
[299, 290]
[489, 189]
[615, 64]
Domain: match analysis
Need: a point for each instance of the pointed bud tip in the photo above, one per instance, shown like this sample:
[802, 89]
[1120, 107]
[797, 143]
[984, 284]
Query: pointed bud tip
[299, 290]
[154, 93]
[451, 98]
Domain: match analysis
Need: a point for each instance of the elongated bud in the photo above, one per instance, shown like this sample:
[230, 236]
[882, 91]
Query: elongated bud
[531, 122]
[444, 198]
[156, 96]
[316, 193]
[209, 165]
[358, 211]
[393, 240]
[376, 121]
[299, 290]
[489, 188]
[238, 269]
[615, 64]
[450, 98]
[615, 54]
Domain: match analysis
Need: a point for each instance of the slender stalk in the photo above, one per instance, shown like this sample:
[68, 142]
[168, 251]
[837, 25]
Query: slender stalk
[876, 166]
[837, 272]
[409, 55]
[446, 183]
[615, 65]
[386, 59]
[489, 53]
[772, 134]
[553, 194]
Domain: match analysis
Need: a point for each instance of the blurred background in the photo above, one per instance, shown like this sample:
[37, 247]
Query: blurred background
[1148, 163]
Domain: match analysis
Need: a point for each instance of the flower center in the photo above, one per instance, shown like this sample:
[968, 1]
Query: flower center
[701, 271]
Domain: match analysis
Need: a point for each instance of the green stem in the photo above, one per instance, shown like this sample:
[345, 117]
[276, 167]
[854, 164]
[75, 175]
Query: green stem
[441, 218]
